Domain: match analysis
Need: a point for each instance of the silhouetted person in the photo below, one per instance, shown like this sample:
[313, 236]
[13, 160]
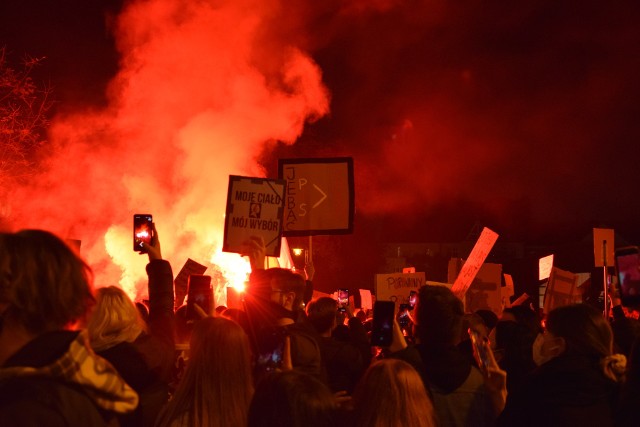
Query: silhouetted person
[49, 375]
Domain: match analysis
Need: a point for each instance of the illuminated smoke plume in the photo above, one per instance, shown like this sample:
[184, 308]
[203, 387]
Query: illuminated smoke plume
[196, 99]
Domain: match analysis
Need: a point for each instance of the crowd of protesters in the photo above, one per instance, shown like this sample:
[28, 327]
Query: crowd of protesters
[73, 356]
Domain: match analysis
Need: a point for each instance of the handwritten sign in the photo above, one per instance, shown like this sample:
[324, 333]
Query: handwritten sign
[320, 196]
[562, 290]
[485, 292]
[182, 279]
[396, 286]
[475, 260]
[254, 208]
[544, 267]
[603, 238]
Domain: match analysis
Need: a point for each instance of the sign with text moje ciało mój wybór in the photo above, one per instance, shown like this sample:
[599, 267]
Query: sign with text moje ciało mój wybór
[254, 208]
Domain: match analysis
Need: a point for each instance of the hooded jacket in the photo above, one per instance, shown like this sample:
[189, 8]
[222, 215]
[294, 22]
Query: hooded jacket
[565, 391]
[57, 380]
[456, 387]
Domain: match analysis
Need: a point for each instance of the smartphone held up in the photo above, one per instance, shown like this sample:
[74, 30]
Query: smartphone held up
[200, 292]
[343, 299]
[142, 231]
[628, 269]
[482, 352]
[382, 327]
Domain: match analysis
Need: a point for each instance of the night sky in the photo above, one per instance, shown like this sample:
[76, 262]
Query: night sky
[522, 116]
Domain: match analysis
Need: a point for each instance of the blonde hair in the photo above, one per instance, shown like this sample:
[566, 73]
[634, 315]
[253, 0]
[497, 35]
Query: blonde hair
[115, 319]
[391, 393]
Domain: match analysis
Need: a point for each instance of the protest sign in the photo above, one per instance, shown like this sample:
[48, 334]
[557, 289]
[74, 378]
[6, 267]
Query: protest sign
[507, 291]
[320, 197]
[476, 258]
[182, 279]
[544, 267]
[396, 286]
[562, 290]
[75, 244]
[254, 208]
[603, 238]
[365, 299]
[485, 292]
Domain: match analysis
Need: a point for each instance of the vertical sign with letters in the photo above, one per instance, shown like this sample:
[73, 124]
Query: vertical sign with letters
[319, 197]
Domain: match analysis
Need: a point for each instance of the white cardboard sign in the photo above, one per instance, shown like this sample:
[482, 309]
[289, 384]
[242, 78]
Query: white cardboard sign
[475, 260]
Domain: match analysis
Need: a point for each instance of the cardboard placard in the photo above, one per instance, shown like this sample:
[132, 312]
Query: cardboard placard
[544, 267]
[182, 279]
[320, 196]
[561, 290]
[475, 260]
[508, 290]
[254, 208]
[485, 291]
[365, 299]
[603, 237]
[396, 286]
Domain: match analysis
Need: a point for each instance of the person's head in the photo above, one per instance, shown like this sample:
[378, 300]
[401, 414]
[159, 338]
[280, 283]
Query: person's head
[287, 288]
[321, 313]
[284, 288]
[217, 385]
[391, 393]
[489, 319]
[574, 330]
[184, 327]
[238, 316]
[115, 319]
[515, 333]
[292, 399]
[44, 284]
[439, 315]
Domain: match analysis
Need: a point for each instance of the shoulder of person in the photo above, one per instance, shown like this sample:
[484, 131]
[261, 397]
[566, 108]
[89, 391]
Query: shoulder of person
[41, 401]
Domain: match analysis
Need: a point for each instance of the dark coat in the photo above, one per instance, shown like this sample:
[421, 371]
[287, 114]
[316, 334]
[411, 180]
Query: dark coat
[565, 391]
[146, 363]
[46, 401]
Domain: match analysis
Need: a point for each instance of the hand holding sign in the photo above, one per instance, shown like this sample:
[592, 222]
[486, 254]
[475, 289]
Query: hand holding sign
[255, 249]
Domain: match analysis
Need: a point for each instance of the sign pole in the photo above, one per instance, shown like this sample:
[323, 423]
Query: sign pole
[604, 276]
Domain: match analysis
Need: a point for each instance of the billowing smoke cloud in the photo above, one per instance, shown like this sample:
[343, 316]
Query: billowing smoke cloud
[193, 102]
[522, 116]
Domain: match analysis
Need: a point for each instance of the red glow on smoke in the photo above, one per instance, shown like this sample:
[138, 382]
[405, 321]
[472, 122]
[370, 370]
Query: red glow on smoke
[194, 101]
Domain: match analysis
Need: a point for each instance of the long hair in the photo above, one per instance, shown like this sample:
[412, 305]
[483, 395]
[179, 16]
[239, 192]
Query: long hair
[115, 319]
[584, 330]
[391, 393]
[292, 399]
[217, 386]
[44, 283]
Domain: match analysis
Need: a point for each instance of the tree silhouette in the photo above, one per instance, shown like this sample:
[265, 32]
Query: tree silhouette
[23, 117]
[23, 121]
